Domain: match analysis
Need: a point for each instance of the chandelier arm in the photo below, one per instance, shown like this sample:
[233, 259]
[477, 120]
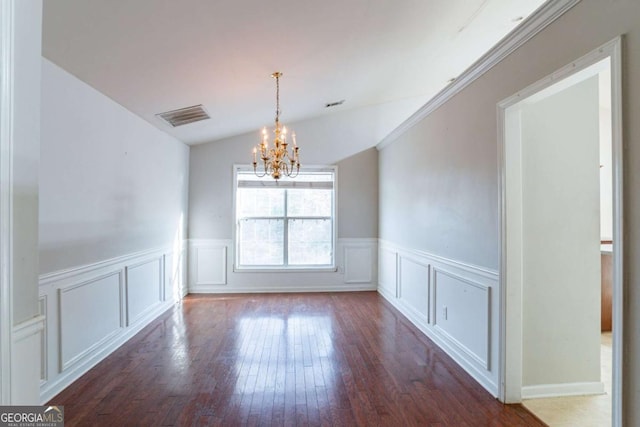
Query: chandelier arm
[297, 172]
[265, 168]
[255, 171]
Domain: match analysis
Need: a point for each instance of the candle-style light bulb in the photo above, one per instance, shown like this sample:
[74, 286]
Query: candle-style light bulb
[293, 135]
[255, 150]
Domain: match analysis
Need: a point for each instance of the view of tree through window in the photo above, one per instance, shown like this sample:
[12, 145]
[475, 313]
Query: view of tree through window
[288, 223]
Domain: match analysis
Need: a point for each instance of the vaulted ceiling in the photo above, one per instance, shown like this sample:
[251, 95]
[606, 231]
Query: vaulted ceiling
[156, 55]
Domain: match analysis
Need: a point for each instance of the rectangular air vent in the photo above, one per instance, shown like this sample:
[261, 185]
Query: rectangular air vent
[184, 116]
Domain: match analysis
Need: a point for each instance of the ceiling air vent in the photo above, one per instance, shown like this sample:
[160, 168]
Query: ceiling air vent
[184, 116]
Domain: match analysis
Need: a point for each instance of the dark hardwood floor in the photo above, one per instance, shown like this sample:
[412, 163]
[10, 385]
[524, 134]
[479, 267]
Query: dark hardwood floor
[327, 359]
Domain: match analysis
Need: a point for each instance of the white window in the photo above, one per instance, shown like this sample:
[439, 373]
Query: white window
[288, 223]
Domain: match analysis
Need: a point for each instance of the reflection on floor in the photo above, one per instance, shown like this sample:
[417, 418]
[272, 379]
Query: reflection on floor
[313, 359]
[582, 411]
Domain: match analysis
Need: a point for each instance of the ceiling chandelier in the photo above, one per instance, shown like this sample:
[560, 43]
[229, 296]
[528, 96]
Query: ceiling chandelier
[277, 161]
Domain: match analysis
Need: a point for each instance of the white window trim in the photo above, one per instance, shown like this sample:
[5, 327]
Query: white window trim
[289, 269]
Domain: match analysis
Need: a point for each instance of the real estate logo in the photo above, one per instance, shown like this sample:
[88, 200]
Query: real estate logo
[31, 416]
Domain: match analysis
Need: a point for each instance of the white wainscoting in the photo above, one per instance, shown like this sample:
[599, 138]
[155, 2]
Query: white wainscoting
[461, 313]
[26, 351]
[211, 270]
[453, 303]
[91, 310]
[413, 286]
[90, 315]
[388, 272]
[358, 262]
[42, 305]
[145, 288]
[175, 275]
[208, 263]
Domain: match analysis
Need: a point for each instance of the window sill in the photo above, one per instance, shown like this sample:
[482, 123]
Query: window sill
[330, 269]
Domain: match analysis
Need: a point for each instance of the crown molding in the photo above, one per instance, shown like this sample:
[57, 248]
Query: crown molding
[536, 22]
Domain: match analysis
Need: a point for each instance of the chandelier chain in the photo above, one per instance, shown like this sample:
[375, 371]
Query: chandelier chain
[277, 77]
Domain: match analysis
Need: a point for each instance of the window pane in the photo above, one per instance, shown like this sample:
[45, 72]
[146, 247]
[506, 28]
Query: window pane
[260, 202]
[315, 177]
[310, 241]
[261, 241]
[309, 202]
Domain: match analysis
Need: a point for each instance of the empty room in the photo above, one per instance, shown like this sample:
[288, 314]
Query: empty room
[394, 213]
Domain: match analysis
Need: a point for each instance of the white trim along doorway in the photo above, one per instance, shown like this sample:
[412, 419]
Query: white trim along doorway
[511, 225]
[6, 227]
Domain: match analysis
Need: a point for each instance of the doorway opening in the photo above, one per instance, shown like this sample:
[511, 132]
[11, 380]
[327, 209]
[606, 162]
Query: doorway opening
[561, 225]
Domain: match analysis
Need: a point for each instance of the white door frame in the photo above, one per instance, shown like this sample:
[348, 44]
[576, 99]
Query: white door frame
[6, 185]
[510, 373]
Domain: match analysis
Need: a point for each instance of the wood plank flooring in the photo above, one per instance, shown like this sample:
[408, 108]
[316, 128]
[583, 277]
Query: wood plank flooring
[321, 359]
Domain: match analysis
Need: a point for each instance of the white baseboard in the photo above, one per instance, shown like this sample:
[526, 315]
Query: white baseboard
[562, 390]
[281, 289]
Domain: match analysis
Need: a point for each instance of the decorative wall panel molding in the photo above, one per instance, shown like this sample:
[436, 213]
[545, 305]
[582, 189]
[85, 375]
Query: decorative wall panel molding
[413, 285]
[93, 309]
[175, 273]
[358, 260]
[452, 302]
[90, 315]
[461, 314]
[388, 274]
[211, 265]
[25, 353]
[42, 310]
[145, 288]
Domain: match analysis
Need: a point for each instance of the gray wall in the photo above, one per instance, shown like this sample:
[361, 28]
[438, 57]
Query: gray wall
[25, 156]
[438, 186]
[561, 237]
[211, 212]
[358, 195]
[110, 183]
[451, 158]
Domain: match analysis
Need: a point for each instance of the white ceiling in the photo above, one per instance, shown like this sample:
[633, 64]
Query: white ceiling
[156, 55]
